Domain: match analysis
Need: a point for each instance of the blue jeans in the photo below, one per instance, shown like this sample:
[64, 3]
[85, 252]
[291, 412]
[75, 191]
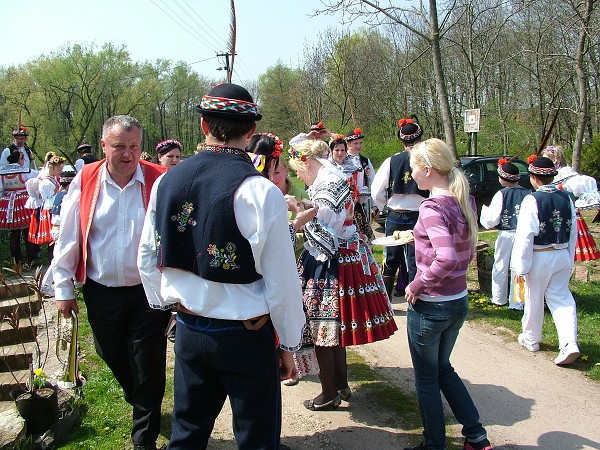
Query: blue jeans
[432, 331]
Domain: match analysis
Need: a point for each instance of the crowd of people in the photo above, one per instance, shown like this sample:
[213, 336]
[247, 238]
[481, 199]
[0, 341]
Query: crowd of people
[268, 282]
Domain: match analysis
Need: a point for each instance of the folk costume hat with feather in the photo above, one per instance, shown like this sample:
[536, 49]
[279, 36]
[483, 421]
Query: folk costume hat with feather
[230, 101]
[409, 130]
[84, 148]
[542, 166]
[354, 135]
[21, 131]
[508, 171]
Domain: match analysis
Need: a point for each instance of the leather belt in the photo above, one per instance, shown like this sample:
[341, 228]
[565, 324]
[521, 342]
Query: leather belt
[547, 249]
[401, 211]
[253, 324]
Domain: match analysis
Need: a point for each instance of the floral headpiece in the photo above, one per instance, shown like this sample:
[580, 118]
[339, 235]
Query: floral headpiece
[297, 154]
[550, 150]
[317, 126]
[337, 137]
[278, 144]
[56, 160]
[21, 131]
[169, 144]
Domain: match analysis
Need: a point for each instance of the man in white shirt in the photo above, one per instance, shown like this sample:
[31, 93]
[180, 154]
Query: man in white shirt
[19, 142]
[218, 230]
[102, 219]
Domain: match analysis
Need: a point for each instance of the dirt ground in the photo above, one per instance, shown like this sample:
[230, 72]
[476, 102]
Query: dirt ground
[525, 401]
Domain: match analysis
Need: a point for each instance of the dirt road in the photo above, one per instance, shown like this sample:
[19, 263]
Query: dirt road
[525, 401]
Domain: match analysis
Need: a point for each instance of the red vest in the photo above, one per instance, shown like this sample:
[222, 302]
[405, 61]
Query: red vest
[90, 190]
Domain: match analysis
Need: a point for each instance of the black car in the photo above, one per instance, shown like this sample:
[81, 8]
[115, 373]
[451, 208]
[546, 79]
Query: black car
[481, 171]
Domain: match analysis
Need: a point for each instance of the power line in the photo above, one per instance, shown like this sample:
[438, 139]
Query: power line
[213, 33]
[179, 23]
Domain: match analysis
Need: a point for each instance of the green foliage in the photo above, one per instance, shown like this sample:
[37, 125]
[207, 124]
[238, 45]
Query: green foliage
[590, 159]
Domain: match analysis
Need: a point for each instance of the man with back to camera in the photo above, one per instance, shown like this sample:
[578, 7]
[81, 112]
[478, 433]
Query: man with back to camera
[218, 232]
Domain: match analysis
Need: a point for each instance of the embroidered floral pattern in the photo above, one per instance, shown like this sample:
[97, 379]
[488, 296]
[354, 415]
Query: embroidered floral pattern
[223, 257]
[406, 178]
[556, 220]
[183, 218]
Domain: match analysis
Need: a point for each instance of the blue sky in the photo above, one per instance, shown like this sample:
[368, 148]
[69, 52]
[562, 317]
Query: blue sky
[180, 30]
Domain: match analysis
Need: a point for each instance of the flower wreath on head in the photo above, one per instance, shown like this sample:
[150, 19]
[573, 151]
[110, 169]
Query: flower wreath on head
[336, 137]
[297, 154]
[550, 149]
[278, 144]
[169, 142]
[57, 160]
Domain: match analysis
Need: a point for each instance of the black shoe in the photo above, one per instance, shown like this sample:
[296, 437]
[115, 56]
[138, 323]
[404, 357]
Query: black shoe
[144, 446]
[284, 447]
[421, 446]
[171, 336]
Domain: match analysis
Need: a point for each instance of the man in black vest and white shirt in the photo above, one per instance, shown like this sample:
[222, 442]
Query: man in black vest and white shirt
[19, 142]
[218, 232]
[394, 187]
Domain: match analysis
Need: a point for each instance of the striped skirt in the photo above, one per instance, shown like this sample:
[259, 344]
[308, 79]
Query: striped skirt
[13, 214]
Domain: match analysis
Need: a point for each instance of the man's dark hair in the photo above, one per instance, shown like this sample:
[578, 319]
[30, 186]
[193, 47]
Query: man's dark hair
[226, 130]
[545, 179]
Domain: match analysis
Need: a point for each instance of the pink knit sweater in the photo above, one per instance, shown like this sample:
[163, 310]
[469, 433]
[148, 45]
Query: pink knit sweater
[443, 249]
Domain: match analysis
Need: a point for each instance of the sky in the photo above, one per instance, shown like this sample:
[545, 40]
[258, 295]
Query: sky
[193, 31]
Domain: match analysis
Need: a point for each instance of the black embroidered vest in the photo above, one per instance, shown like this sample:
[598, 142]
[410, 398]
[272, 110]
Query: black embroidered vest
[195, 221]
[88, 158]
[512, 196]
[554, 215]
[401, 181]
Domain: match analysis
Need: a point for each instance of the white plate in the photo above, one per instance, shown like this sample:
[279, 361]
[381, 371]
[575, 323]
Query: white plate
[389, 241]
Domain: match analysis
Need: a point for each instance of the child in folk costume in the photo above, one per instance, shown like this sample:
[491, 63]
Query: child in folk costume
[14, 215]
[585, 190]
[344, 297]
[543, 256]
[502, 214]
[41, 220]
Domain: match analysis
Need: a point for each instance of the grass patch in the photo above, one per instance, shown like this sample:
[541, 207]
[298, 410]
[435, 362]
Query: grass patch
[402, 407]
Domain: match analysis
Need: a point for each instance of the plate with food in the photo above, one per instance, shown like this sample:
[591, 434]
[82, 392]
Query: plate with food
[398, 238]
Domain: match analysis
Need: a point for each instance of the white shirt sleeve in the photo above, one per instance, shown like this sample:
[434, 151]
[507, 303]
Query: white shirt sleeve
[4, 157]
[490, 216]
[379, 187]
[528, 226]
[66, 251]
[146, 257]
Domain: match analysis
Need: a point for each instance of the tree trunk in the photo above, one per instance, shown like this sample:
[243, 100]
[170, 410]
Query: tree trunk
[439, 77]
[582, 83]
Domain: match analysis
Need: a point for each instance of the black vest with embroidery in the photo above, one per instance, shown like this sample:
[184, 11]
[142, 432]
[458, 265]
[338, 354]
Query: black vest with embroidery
[195, 221]
[364, 164]
[12, 147]
[554, 215]
[401, 181]
[512, 196]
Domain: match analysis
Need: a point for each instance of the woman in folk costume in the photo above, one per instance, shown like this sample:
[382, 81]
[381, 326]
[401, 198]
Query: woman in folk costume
[502, 214]
[445, 238]
[338, 156]
[168, 153]
[41, 220]
[14, 216]
[585, 190]
[344, 297]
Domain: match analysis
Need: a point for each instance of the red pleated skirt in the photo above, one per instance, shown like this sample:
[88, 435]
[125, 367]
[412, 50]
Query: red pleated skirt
[586, 248]
[13, 214]
[40, 226]
[344, 306]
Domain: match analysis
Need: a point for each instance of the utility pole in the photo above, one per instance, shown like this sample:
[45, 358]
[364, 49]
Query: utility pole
[226, 67]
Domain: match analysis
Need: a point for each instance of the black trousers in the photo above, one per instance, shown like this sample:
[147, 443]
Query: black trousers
[216, 359]
[402, 256]
[130, 337]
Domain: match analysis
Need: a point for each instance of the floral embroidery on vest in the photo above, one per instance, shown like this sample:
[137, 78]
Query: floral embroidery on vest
[224, 258]
[184, 218]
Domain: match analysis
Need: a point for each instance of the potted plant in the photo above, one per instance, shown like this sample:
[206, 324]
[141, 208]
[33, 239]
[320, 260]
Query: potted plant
[36, 399]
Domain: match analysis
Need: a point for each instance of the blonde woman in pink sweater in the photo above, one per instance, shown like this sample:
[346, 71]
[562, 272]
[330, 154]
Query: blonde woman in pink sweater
[445, 238]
